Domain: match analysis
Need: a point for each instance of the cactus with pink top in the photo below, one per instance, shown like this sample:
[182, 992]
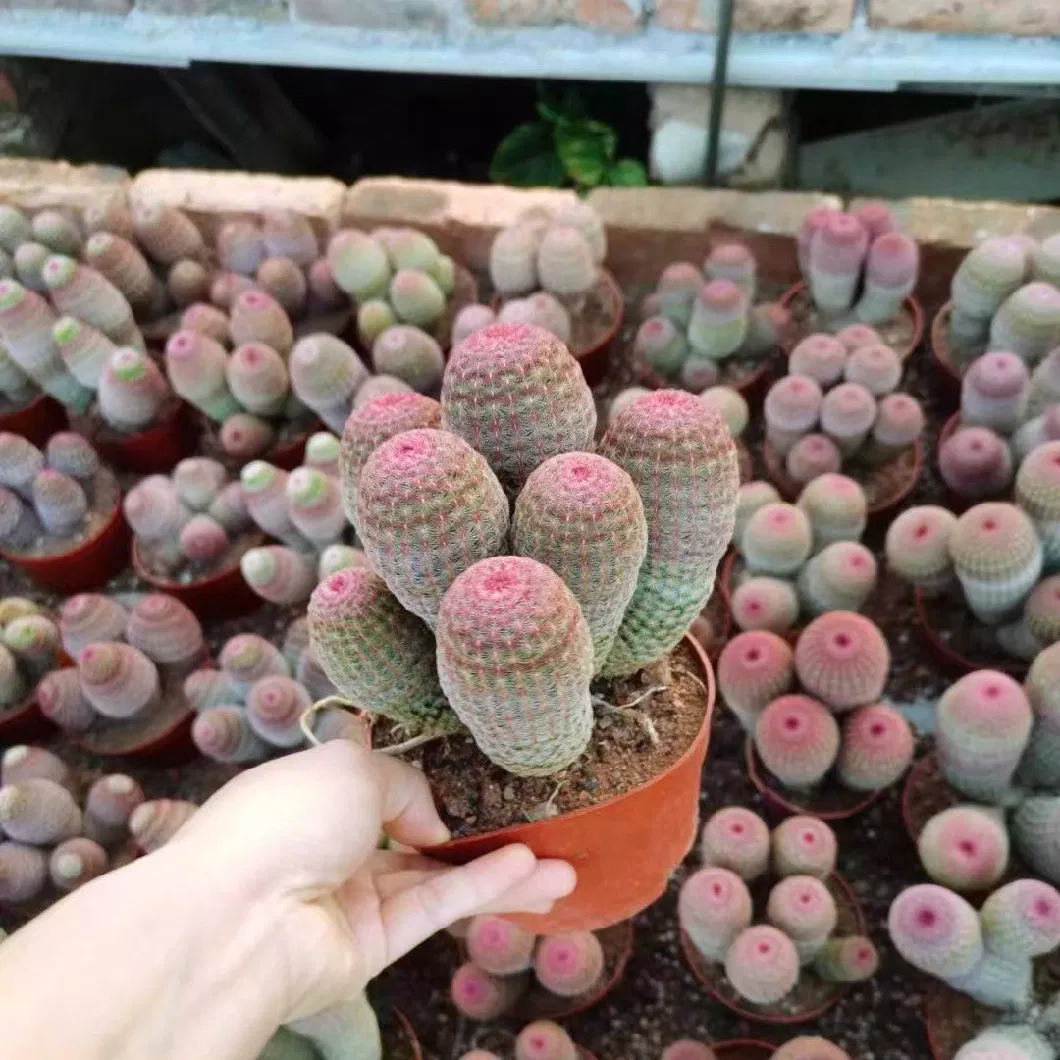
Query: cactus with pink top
[754, 668]
[736, 839]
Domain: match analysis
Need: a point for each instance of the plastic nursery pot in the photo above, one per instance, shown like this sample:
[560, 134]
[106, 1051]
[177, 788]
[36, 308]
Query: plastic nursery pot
[23, 722]
[86, 567]
[958, 641]
[952, 1020]
[37, 421]
[612, 885]
[223, 595]
[154, 451]
[743, 1049]
[903, 334]
[811, 998]
[829, 801]
[942, 352]
[399, 1039]
[886, 487]
[752, 384]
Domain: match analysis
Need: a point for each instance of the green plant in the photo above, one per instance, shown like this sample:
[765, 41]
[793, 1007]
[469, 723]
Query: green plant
[564, 146]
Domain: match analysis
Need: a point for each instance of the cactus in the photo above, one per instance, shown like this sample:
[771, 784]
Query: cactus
[686, 1049]
[375, 652]
[258, 317]
[842, 658]
[678, 285]
[803, 846]
[569, 965]
[1021, 920]
[206, 320]
[854, 336]
[19, 526]
[39, 812]
[517, 373]
[997, 558]
[131, 391]
[731, 406]
[848, 960]
[187, 282]
[714, 906]
[797, 739]
[118, 680]
[15, 227]
[936, 931]
[60, 502]
[81, 292]
[1038, 494]
[792, 409]
[240, 246]
[20, 463]
[154, 511]
[61, 701]
[565, 261]
[1040, 765]
[248, 658]
[1027, 322]
[777, 540]
[699, 373]
[358, 264]
[76, 861]
[284, 281]
[541, 722]
[984, 723]
[820, 357]
[581, 516]
[754, 669]
[765, 603]
[165, 630]
[836, 507]
[109, 805]
[21, 763]
[167, 234]
[197, 480]
[315, 506]
[153, 824]
[988, 274]
[265, 491]
[377, 386]
[899, 423]
[660, 345]
[498, 946]
[735, 263]
[891, 273]
[841, 577]
[84, 350]
[965, 848]
[513, 260]
[877, 218]
[411, 355]
[1010, 1042]
[15, 385]
[257, 377]
[718, 325]
[71, 454]
[750, 497]
[58, 231]
[877, 748]
[34, 640]
[1034, 830]
[481, 996]
[848, 412]
[416, 298]
[288, 234]
[1044, 385]
[244, 437]
[544, 1040]
[196, 365]
[470, 319]
[274, 706]
[736, 839]
[917, 546]
[541, 309]
[325, 375]
[803, 908]
[120, 262]
[975, 462]
[12, 683]
[995, 392]
[23, 870]
[762, 965]
[876, 367]
[402, 510]
[837, 254]
[206, 688]
[28, 263]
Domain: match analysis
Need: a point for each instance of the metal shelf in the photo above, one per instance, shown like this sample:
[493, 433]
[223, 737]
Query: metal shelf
[859, 59]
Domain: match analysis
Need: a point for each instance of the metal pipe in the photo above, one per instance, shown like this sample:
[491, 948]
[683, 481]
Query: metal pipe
[717, 89]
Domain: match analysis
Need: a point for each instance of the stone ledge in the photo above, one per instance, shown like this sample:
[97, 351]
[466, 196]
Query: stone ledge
[1031, 18]
[608, 16]
[32, 184]
[758, 16]
[210, 197]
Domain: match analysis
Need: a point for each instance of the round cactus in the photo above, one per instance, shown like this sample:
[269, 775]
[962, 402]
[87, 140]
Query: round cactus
[513, 260]
[470, 319]
[315, 504]
[841, 577]
[1035, 827]
[677, 287]
[975, 462]
[62, 703]
[565, 261]
[544, 1041]
[278, 574]
[876, 367]
[1021, 919]
[917, 546]
[257, 317]
[76, 861]
[935, 930]
[248, 658]
[811, 456]
[481, 996]
[416, 298]
[994, 392]
[718, 325]
[820, 357]
[274, 707]
[71, 454]
[512, 607]
[754, 668]
[762, 965]
[736, 839]
[731, 407]
[223, 734]
[118, 680]
[569, 965]
[498, 946]
[542, 309]
[765, 603]
[714, 906]
[848, 412]
[776, 540]
[964, 848]
[409, 354]
[257, 377]
[792, 408]
[877, 748]
[847, 960]
[899, 423]
[109, 804]
[39, 812]
[165, 630]
[843, 658]
[23, 870]
[804, 909]
[660, 345]
[803, 846]
[750, 497]
[797, 739]
[1038, 494]
[325, 375]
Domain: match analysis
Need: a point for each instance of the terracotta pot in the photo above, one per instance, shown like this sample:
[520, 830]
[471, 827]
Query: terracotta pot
[224, 595]
[743, 1049]
[838, 804]
[815, 1002]
[37, 421]
[951, 1019]
[952, 658]
[155, 451]
[942, 353]
[612, 885]
[84, 568]
[912, 310]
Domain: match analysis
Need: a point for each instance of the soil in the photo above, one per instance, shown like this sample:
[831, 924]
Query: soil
[954, 359]
[900, 333]
[293, 429]
[190, 573]
[811, 995]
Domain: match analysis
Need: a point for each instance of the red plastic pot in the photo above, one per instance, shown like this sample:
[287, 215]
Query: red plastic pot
[799, 329]
[225, 595]
[25, 723]
[790, 802]
[622, 854]
[37, 421]
[753, 387]
[743, 1049]
[942, 352]
[154, 451]
[86, 567]
[712, 975]
[290, 454]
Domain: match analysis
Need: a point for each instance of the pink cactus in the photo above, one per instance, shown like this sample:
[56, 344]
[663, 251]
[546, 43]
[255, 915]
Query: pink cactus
[848, 412]
[569, 965]
[797, 739]
[810, 1048]
[265, 492]
[481, 996]
[965, 848]
[899, 423]
[841, 577]
[258, 317]
[876, 367]
[196, 366]
[73, 455]
[765, 603]
[936, 931]
[975, 462]
[224, 734]
[59, 501]
[248, 658]
[39, 812]
[718, 325]
[854, 336]
[61, 701]
[544, 1040]
[762, 965]
[843, 658]
[21, 763]
[819, 357]
[167, 234]
[90, 617]
[878, 747]
[736, 839]
[777, 540]
[153, 824]
[325, 375]
[660, 345]
[733, 262]
[804, 909]
[847, 960]
[891, 273]
[814, 220]
[803, 846]
[278, 574]
[1021, 920]
[917, 546]
[118, 680]
[877, 218]
[677, 287]
[713, 908]
[165, 630]
[792, 408]
[274, 707]
[76, 861]
[811, 456]
[754, 669]
[837, 254]
[498, 946]
[315, 506]
[282, 279]
[565, 261]
[257, 377]
[203, 540]
[23, 870]
[994, 392]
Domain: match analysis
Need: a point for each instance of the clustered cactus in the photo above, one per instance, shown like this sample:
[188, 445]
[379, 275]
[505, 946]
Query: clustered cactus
[52, 500]
[800, 560]
[730, 404]
[805, 1047]
[763, 962]
[841, 663]
[699, 324]
[30, 646]
[504, 959]
[859, 268]
[431, 508]
[1006, 296]
[839, 407]
[1000, 560]
[541, 1040]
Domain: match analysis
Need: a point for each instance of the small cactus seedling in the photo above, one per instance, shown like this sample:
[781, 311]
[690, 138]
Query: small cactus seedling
[847, 960]
[994, 392]
[803, 846]
[820, 357]
[713, 908]
[776, 540]
[762, 964]
[754, 668]
[797, 739]
[737, 839]
[765, 603]
[804, 909]
[836, 507]
[965, 848]
[917, 547]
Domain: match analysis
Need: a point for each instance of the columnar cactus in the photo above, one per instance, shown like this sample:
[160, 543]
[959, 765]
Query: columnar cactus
[713, 908]
[776, 540]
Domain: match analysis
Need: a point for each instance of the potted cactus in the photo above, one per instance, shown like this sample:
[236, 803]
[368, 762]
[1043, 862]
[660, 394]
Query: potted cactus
[548, 270]
[1005, 295]
[60, 513]
[540, 1040]
[734, 1049]
[794, 967]
[838, 409]
[701, 329]
[792, 562]
[457, 578]
[797, 754]
[857, 268]
[512, 973]
[124, 695]
[29, 648]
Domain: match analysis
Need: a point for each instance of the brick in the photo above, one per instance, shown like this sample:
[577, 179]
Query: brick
[1031, 18]
[759, 16]
[463, 218]
[611, 16]
[36, 185]
[373, 14]
[259, 10]
[212, 198]
[649, 227]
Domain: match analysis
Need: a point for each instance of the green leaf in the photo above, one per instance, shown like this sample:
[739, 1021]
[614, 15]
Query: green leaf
[586, 149]
[556, 104]
[627, 173]
[526, 157]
